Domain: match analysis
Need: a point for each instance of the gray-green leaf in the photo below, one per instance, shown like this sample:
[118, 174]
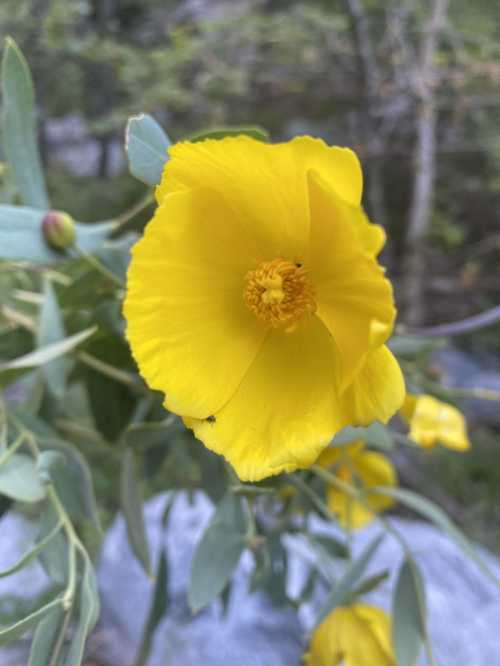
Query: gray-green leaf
[45, 637]
[345, 586]
[409, 615]
[47, 353]
[50, 330]
[89, 613]
[156, 612]
[19, 479]
[19, 127]
[17, 630]
[131, 503]
[440, 519]
[21, 237]
[218, 552]
[30, 555]
[146, 144]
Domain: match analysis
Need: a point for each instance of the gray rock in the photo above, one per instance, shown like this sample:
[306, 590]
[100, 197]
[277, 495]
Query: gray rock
[251, 633]
[463, 605]
[459, 369]
[18, 592]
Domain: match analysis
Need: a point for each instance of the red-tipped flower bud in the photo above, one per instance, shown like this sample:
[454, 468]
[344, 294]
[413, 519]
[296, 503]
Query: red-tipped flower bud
[58, 229]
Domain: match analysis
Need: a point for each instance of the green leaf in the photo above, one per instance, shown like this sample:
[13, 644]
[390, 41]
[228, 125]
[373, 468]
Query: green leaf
[19, 127]
[43, 355]
[89, 613]
[45, 637]
[254, 132]
[47, 465]
[333, 546]
[19, 479]
[131, 503]
[21, 237]
[30, 555]
[51, 330]
[146, 144]
[73, 483]
[218, 552]
[375, 434]
[17, 630]
[344, 588]
[371, 583]
[409, 615]
[157, 610]
[436, 515]
[412, 346]
[54, 557]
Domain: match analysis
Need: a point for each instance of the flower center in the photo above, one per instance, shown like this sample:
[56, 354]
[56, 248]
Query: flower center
[279, 293]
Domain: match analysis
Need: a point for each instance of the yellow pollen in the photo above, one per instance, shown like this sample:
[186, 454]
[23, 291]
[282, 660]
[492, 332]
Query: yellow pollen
[279, 293]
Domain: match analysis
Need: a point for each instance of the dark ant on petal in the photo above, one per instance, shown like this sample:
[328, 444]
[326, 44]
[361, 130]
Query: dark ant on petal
[211, 419]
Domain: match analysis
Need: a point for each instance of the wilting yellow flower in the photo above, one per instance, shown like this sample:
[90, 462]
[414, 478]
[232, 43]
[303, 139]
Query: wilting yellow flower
[365, 469]
[432, 422]
[357, 635]
[256, 304]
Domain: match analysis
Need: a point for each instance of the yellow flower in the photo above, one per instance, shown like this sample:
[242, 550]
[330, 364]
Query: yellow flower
[432, 421]
[357, 635]
[256, 304]
[353, 464]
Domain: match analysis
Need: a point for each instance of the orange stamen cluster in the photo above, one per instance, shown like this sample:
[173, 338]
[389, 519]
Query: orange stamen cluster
[279, 293]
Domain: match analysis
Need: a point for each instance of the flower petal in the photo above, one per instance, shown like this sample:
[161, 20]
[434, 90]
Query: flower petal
[354, 298]
[339, 167]
[374, 469]
[190, 332]
[285, 411]
[377, 391]
[263, 184]
[432, 422]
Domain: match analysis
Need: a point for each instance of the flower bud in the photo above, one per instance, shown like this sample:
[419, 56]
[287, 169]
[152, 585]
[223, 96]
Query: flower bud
[58, 229]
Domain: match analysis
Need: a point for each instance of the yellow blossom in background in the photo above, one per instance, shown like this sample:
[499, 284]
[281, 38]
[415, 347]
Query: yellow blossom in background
[366, 469]
[432, 422]
[256, 304]
[357, 635]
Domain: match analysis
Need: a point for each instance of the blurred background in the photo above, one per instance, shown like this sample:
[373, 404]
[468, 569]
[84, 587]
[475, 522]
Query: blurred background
[413, 87]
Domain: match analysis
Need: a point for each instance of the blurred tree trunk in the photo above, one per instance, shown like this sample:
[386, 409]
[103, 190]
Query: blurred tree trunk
[370, 89]
[424, 164]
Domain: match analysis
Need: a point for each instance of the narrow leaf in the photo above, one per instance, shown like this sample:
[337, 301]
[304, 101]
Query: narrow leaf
[48, 353]
[409, 615]
[344, 587]
[89, 613]
[17, 630]
[157, 610]
[131, 503]
[73, 483]
[218, 552]
[436, 515]
[19, 479]
[30, 555]
[146, 144]
[19, 127]
[51, 330]
[21, 237]
[45, 637]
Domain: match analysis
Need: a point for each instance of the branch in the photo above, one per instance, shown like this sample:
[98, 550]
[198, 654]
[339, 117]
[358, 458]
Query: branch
[482, 320]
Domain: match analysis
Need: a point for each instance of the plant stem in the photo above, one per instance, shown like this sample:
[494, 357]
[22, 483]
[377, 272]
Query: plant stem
[98, 266]
[7, 455]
